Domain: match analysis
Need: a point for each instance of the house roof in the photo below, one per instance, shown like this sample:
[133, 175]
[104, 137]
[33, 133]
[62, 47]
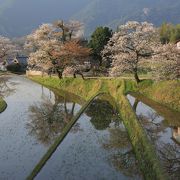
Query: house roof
[21, 60]
[9, 61]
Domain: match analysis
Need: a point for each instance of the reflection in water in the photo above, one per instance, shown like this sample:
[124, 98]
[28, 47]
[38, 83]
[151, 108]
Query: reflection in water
[126, 163]
[49, 118]
[170, 156]
[164, 135]
[39, 109]
[103, 117]
[101, 150]
[152, 126]
[5, 88]
[99, 109]
[123, 159]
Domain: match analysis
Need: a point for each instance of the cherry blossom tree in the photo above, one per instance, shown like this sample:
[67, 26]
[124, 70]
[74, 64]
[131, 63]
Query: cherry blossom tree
[166, 62]
[133, 44]
[39, 37]
[52, 51]
[73, 58]
[41, 44]
[6, 48]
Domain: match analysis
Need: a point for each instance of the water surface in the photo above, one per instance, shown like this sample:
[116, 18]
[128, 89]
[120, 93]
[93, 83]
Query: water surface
[34, 117]
[162, 126]
[99, 150]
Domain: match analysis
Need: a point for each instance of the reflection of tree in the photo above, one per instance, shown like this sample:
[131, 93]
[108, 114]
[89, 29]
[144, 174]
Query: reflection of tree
[5, 90]
[126, 163]
[152, 127]
[49, 119]
[118, 139]
[150, 123]
[170, 156]
[102, 113]
[169, 153]
[123, 158]
[135, 104]
[105, 117]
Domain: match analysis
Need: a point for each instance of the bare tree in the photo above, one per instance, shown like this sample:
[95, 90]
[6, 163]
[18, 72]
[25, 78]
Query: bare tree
[70, 29]
[75, 29]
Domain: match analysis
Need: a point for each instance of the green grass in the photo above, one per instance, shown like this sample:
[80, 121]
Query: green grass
[166, 93]
[3, 105]
[116, 88]
[163, 92]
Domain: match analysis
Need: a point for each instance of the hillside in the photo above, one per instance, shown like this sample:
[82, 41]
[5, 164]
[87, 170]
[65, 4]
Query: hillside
[115, 12]
[20, 17]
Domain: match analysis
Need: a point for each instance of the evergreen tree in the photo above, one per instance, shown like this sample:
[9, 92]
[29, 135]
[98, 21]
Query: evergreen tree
[165, 33]
[99, 39]
[177, 32]
[169, 33]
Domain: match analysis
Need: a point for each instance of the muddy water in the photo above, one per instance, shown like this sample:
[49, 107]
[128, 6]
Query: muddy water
[162, 126]
[100, 149]
[34, 117]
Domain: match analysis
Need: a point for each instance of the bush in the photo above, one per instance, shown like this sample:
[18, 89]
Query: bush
[14, 68]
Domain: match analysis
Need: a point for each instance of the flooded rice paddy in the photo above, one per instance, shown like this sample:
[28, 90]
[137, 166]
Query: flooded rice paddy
[97, 147]
[34, 117]
[100, 149]
[162, 126]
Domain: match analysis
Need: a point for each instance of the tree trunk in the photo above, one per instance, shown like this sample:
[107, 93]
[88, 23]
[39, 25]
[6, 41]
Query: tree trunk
[136, 77]
[135, 104]
[82, 76]
[49, 72]
[59, 74]
[72, 110]
[100, 61]
[42, 75]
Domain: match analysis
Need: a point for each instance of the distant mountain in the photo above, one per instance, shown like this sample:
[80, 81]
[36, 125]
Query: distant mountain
[115, 12]
[20, 17]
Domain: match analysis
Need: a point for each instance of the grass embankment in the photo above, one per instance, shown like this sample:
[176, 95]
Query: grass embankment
[166, 93]
[3, 105]
[144, 150]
